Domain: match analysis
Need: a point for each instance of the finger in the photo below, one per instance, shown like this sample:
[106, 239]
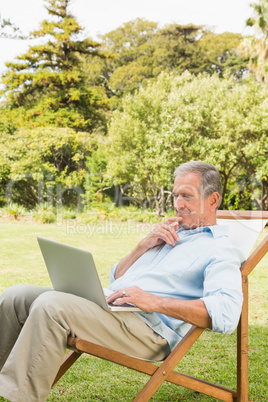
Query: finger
[167, 237]
[164, 226]
[172, 238]
[174, 225]
[167, 233]
[115, 295]
[173, 220]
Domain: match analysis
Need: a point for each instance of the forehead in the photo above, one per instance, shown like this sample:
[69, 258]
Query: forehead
[187, 182]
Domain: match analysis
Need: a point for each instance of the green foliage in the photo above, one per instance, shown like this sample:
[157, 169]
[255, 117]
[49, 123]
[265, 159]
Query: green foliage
[255, 47]
[66, 213]
[139, 51]
[173, 113]
[14, 210]
[128, 50]
[44, 213]
[177, 48]
[9, 30]
[44, 164]
[219, 54]
[46, 86]
[180, 118]
[98, 185]
[129, 77]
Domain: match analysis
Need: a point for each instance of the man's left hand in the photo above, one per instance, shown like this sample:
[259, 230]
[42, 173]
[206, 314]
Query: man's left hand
[134, 295]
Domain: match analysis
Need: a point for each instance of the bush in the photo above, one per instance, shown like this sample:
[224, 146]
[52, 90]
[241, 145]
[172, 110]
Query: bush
[14, 210]
[45, 214]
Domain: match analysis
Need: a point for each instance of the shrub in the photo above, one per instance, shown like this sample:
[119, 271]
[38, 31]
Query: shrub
[44, 213]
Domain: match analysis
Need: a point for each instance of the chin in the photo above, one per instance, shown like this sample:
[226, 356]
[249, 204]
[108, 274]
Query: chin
[184, 225]
[189, 225]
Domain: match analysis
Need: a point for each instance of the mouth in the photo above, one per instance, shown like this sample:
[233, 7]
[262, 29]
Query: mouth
[181, 213]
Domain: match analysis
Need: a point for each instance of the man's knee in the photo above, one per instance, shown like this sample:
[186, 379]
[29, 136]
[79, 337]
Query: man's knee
[50, 304]
[23, 292]
[64, 309]
[20, 298]
[15, 294]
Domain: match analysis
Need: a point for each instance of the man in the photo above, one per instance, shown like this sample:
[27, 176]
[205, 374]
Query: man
[184, 272]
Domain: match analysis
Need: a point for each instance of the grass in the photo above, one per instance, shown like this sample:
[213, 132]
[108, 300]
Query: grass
[91, 379]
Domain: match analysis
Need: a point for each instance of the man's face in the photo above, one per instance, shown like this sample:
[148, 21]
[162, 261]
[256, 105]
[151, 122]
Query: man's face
[189, 204]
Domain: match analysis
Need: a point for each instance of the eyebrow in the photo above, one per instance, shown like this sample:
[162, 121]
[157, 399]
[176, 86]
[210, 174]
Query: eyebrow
[183, 193]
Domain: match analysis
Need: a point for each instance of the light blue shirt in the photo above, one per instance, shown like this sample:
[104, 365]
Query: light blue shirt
[202, 265]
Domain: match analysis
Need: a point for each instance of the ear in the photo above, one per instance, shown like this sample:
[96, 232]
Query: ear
[214, 200]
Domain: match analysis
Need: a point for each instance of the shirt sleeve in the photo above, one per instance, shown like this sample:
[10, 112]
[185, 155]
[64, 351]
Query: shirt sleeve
[222, 293]
[112, 273]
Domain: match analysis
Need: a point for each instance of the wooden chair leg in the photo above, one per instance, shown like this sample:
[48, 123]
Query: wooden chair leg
[66, 364]
[242, 347]
[168, 365]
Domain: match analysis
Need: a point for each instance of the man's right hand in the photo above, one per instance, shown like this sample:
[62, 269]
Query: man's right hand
[163, 232]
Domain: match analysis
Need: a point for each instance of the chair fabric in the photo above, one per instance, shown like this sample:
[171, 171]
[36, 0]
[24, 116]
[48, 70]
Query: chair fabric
[245, 228]
[244, 232]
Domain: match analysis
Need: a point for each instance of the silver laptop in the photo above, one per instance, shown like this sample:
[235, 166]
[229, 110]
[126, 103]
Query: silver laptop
[72, 270]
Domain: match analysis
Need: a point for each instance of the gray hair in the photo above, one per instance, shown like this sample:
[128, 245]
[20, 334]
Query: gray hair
[210, 181]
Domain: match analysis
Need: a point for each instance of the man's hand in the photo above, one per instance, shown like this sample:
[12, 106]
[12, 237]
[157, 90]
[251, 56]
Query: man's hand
[163, 232]
[134, 295]
[192, 311]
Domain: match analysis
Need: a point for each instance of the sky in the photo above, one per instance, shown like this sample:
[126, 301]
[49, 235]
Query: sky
[102, 16]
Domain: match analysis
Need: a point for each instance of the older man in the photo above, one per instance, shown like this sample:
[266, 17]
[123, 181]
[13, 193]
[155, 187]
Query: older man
[185, 272]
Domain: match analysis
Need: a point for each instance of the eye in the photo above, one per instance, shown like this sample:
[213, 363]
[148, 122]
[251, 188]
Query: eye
[187, 196]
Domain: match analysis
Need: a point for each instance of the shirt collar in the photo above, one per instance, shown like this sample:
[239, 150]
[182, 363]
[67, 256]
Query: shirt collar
[215, 230]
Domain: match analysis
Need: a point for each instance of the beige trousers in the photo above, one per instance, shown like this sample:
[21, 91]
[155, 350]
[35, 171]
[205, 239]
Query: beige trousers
[34, 325]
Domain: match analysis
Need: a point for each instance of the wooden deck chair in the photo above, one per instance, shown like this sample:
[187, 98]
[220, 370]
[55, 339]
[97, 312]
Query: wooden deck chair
[244, 225]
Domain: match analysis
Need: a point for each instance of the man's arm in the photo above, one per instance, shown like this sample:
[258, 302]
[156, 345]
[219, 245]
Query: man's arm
[192, 311]
[164, 232]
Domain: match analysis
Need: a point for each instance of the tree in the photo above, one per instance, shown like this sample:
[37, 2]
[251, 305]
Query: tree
[219, 54]
[256, 47]
[128, 63]
[176, 48]
[47, 85]
[198, 50]
[43, 165]
[9, 30]
[139, 51]
[180, 118]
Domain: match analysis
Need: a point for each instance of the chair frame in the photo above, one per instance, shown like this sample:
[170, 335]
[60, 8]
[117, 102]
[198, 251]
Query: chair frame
[165, 372]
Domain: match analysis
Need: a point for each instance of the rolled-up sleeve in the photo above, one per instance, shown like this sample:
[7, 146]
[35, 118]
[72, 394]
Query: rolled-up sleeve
[112, 273]
[222, 293]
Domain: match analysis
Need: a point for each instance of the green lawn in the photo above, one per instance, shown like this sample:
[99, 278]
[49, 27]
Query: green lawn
[90, 379]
